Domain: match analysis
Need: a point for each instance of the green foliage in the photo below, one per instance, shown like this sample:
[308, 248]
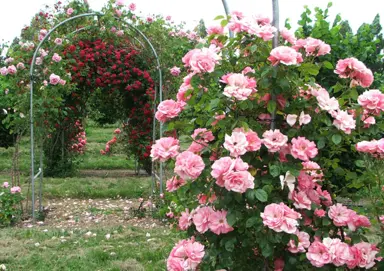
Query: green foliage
[10, 206]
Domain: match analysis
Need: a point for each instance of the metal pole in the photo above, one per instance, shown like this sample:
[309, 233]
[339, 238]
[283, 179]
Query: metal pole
[227, 11]
[275, 43]
[41, 179]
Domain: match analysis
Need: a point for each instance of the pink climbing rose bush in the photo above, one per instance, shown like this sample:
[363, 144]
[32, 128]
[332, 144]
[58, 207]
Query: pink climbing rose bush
[251, 135]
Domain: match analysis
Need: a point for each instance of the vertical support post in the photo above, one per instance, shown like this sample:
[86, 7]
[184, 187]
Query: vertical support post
[41, 179]
[227, 12]
[32, 146]
[275, 43]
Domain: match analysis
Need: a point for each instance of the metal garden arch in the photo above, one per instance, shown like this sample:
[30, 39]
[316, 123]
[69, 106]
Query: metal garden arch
[158, 89]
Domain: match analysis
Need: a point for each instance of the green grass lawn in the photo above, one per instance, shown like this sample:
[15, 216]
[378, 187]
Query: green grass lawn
[131, 246]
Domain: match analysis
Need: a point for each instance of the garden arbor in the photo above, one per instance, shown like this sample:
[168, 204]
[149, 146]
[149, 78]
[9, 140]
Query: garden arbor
[156, 172]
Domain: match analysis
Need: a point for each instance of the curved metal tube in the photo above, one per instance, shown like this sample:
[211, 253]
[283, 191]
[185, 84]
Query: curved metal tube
[31, 71]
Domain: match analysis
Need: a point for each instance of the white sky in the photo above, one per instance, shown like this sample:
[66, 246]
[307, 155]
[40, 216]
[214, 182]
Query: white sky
[16, 14]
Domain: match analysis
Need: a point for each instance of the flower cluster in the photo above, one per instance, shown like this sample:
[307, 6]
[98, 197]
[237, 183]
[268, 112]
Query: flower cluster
[80, 139]
[186, 255]
[373, 147]
[355, 70]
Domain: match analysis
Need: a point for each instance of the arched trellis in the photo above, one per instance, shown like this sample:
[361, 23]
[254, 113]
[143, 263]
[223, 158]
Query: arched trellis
[39, 174]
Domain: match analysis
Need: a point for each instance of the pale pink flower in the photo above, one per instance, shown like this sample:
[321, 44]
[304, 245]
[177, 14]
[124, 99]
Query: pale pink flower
[218, 222]
[285, 55]
[168, 18]
[280, 218]
[132, 7]
[15, 189]
[4, 71]
[202, 60]
[218, 117]
[175, 71]
[174, 183]
[236, 144]
[185, 220]
[120, 33]
[302, 245]
[304, 118]
[62, 82]
[318, 254]
[372, 100]
[238, 86]
[189, 165]
[118, 12]
[356, 221]
[278, 264]
[300, 200]
[70, 11]
[367, 146]
[325, 102]
[369, 121]
[54, 79]
[339, 214]
[340, 252]
[186, 255]
[265, 32]
[39, 61]
[9, 60]
[288, 35]
[320, 213]
[12, 69]
[356, 70]
[5, 185]
[165, 148]
[303, 149]
[254, 142]
[238, 181]
[313, 46]
[344, 121]
[58, 41]
[274, 140]
[215, 30]
[56, 57]
[201, 218]
[291, 119]
[220, 168]
[113, 29]
[120, 2]
[367, 253]
[168, 109]
[20, 66]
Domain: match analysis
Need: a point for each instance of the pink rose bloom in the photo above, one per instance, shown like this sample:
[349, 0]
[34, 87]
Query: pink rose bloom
[165, 148]
[196, 147]
[300, 200]
[149, 19]
[279, 264]
[202, 134]
[274, 140]
[369, 121]
[372, 100]
[185, 220]
[318, 254]
[367, 146]
[355, 70]
[302, 244]
[118, 12]
[305, 181]
[20, 66]
[320, 213]
[254, 142]
[238, 86]
[202, 60]
[291, 119]
[117, 131]
[15, 190]
[39, 61]
[12, 69]
[168, 109]
[325, 102]
[238, 181]
[220, 168]
[344, 121]
[280, 218]
[56, 57]
[236, 144]
[132, 7]
[367, 253]
[113, 29]
[54, 79]
[189, 165]
[215, 30]
[285, 55]
[218, 222]
[381, 219]
[186, 255]
[304, 118]
[120, 33]
[266, 32]
[120, 2]
[58, 41]
[175, 71]
[316, 47]
[356, 221]
[339, 214]
[288, 35]
[174, 183]
[201, 218]
[5, 185]
[69, 11]
[4, 71]
[303, 149]
[62, 82]
[339, 251]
